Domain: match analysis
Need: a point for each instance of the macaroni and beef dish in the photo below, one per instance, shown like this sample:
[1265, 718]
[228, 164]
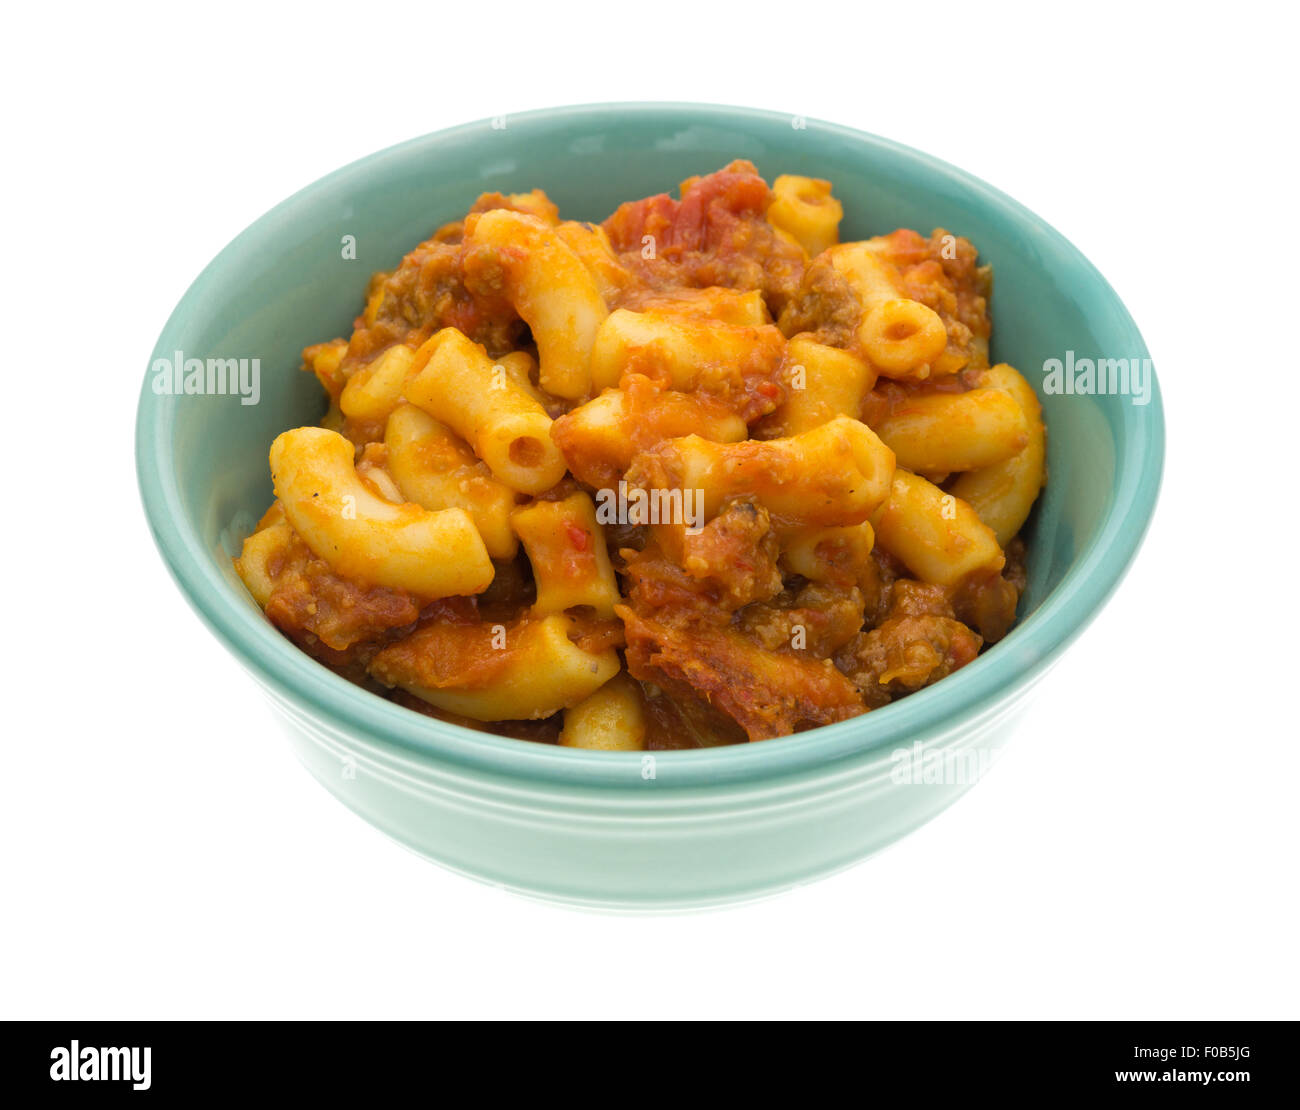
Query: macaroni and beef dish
[696, 475]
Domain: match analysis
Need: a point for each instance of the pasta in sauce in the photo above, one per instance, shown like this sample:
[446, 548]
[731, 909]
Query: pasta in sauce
[699, 474]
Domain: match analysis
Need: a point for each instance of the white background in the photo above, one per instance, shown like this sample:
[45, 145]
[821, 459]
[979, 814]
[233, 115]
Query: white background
[1134, 855]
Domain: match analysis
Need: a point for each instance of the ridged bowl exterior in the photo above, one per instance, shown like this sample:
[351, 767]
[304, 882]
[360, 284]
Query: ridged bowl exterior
[646, 844]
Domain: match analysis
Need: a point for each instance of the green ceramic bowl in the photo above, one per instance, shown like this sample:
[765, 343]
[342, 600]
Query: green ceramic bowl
[621, 829]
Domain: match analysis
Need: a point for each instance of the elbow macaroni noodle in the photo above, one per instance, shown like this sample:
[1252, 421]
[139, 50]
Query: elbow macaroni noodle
[363, 536]
[453, 379]
[550, 288]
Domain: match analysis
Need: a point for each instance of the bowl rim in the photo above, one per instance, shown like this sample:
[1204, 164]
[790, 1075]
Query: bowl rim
[1017, 661]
